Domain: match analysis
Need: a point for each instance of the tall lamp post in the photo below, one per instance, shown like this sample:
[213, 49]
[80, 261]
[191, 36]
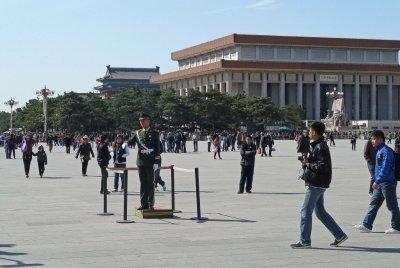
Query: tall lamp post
[11, 103]
[45, 93]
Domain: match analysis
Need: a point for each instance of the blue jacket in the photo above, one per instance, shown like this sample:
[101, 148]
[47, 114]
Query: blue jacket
[384, 167]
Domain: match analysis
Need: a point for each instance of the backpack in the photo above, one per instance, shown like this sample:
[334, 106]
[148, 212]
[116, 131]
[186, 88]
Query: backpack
[24, 147]
[396, 165]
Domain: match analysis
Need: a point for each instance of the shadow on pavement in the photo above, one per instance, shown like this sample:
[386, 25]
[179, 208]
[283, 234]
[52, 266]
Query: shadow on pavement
[363, 249]
[231, 219]
[16, 263]
[271, 193]
[56, 178]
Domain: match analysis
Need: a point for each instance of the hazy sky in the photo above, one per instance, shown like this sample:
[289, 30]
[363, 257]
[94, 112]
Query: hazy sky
[66, 44]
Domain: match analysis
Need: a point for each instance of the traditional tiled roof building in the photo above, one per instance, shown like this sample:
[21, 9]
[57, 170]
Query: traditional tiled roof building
[117, 79]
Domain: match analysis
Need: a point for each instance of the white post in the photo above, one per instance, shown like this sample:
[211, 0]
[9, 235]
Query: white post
[264, 85]
[317, 111]
[300, 89]
[357, 98]
[282, 90]
[390, 97]
[246, 84]
[373, 98]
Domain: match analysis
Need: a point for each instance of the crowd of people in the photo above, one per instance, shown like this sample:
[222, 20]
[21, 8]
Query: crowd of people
[383, 164]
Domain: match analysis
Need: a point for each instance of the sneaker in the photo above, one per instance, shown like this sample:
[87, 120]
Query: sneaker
[248, 191]
[392, 231]
[115, 190]
[164, 188]
[122, 190]
[156, 189]
[336, 243]
[240, 192]
[362, 228]
[299, 245]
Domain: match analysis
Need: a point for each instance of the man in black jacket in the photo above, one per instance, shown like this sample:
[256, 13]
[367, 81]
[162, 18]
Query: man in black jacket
[303, 146]
[248, 153]
[317, 175]
[85, 150]
[103, 158]
[370, 156]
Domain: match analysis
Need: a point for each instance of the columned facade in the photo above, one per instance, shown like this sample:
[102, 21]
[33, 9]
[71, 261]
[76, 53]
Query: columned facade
[295, 70]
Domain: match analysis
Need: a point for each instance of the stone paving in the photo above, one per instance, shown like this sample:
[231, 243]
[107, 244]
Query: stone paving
[52, 221]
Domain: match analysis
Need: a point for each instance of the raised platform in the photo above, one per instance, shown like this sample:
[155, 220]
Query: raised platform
[157, 213]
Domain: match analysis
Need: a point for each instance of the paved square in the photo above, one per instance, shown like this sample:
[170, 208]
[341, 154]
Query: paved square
[52, 221]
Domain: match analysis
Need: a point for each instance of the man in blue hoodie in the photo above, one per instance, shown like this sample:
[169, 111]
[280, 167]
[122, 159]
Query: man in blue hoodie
[384, 186]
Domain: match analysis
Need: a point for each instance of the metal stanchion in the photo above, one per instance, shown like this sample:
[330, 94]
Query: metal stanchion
[104, 213]
[198, 218]
[173, 190]
[125, 219]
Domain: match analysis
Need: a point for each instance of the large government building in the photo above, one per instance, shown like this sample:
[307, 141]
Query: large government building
[298, 70]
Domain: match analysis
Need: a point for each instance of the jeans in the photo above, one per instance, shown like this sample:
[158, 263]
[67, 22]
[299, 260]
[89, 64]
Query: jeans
[246, 178]
[163, 145]
[158, 179]
[209, 146]
[314, 199]
[27, 158]
[85, 163]
[386, 191]
[119, 175]
[195, 146]
[8, 152]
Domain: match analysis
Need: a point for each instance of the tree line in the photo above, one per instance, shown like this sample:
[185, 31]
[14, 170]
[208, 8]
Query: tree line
[207, 111]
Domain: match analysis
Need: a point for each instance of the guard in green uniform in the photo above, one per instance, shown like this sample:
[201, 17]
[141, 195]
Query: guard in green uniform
[148, 142]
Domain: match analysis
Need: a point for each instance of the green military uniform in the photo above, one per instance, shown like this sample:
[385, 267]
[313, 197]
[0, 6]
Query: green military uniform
[148, 140]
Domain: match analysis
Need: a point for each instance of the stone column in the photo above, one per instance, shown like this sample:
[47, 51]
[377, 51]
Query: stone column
[246, 84]
[282, 90]
[390, 97]
[340, 83]
[357, 98]
[300, 90]
[317, 96]
[221, 87]
[264, 85]
[228, 82]
[373, 98]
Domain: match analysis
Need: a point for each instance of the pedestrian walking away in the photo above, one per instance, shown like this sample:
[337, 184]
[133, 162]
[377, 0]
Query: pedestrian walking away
[26, 148]
[41, 159]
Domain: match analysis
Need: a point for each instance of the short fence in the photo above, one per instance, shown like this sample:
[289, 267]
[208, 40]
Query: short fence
[172, 169]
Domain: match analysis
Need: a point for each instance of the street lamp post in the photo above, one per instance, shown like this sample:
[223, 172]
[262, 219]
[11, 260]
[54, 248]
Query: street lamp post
[45, 93]
[11, 103]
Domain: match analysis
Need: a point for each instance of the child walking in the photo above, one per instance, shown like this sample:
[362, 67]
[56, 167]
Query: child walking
[41, 159]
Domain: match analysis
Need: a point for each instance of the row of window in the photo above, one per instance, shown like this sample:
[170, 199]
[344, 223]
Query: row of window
[318, 54]
[227, 54]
